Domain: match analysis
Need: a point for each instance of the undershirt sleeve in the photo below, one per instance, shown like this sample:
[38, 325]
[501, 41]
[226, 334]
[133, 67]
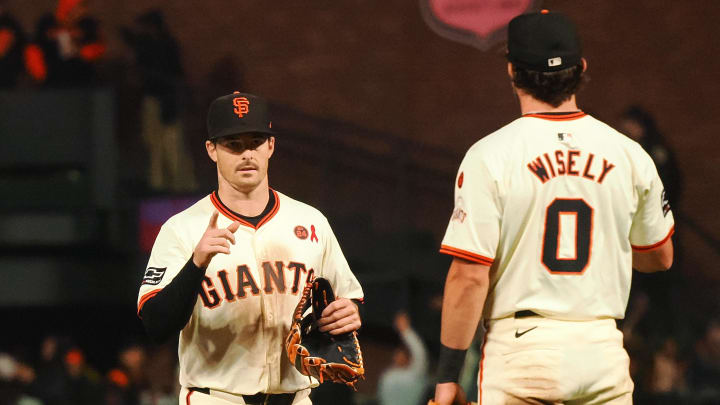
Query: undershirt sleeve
[170, 309]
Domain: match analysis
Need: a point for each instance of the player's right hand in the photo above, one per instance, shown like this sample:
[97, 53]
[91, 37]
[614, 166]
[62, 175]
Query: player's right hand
[448, 394]
[214, 241]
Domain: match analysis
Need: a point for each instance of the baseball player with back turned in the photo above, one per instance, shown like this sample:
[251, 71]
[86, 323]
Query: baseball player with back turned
[552, 212]
[228, 272]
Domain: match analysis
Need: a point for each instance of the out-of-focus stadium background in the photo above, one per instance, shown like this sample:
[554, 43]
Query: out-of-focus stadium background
[375, 111]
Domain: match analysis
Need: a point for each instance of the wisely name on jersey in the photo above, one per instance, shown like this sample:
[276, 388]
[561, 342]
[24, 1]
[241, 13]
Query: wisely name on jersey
[543, 200]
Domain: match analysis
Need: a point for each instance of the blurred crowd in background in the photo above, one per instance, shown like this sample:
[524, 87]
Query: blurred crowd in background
[62, 51]
[671, 362]
[67, 50]
[666, 369]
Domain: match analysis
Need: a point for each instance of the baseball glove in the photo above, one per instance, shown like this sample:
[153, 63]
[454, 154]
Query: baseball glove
[327, 357]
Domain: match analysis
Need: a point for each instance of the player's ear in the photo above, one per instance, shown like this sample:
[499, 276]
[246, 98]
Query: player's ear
[271, 145]
[510, 70]
[211, 148]
[584, 64]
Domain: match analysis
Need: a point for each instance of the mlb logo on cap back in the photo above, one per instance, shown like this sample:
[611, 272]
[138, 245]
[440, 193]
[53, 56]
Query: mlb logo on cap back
[238, 113]
[554, 61]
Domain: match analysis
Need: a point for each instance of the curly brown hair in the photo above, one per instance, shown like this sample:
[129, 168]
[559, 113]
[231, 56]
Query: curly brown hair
[549, 87]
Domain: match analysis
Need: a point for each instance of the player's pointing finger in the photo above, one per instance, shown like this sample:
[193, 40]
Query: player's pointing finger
[213, 220]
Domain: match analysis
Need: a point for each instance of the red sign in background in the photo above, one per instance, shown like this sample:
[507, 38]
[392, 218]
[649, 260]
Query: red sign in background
[480, 23]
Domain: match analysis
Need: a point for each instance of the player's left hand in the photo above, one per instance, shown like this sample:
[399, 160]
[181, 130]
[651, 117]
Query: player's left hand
[341, 316]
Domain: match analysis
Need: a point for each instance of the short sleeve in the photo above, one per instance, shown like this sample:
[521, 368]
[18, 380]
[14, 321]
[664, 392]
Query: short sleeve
[335, 267]
[653, 222]
[169, 255]
[474, 229]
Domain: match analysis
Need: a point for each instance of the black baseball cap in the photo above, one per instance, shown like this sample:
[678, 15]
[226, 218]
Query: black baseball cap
[238, 113]
[544, 41]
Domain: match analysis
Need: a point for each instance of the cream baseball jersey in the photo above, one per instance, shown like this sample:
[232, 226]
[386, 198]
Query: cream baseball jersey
[233, 341]
[555, 203]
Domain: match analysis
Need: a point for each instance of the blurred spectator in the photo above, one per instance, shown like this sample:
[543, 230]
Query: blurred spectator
[126, 382]
[15, 376]
[636, 312]
[50, 382]
[634, 328]
[705, 369]
[63, 375]
[157, 56]
[82, 380]
[639, 124]
[161, 368]
[66, 47]
[667, 382]
[405, 381]
[12, 43]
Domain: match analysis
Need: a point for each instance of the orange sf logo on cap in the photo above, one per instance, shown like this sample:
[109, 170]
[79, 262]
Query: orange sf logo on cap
[242, 106]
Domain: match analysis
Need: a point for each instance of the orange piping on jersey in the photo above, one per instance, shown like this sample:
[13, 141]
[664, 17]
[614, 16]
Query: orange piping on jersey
[146, 297]
[187, 398]
[272, 212]
[655, 245]
[464, 254]
[559, 117]
[231, 215]
[220, 207]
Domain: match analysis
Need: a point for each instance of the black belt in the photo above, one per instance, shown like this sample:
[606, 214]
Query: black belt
[525, 314]
[260, 398]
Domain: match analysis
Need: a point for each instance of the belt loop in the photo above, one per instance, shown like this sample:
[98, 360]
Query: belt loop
[525, 314]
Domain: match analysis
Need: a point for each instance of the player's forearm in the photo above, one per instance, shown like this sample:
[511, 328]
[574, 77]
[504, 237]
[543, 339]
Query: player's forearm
[466, 288]
[658, 259]
[169, 311]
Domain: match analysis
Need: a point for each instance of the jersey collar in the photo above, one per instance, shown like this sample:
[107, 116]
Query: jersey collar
[234, 216]
[557, 116]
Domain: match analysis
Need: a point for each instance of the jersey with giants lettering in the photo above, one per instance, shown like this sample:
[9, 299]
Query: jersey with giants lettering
[555, 203]
[233, 341]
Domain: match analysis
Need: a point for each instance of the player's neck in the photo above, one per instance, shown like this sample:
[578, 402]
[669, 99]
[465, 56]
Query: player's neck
[530, 105]
[248, 203]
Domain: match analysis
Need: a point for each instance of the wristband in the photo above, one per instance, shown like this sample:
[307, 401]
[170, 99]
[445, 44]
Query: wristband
[450, 364]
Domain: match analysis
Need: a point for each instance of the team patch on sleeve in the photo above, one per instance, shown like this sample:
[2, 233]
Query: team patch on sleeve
[153, 275]
[665, 203]
[459, 213]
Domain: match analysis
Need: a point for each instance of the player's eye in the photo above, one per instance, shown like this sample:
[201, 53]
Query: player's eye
[257, 141]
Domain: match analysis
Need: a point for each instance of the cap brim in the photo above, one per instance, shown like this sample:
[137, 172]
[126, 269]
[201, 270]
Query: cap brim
[236, 131]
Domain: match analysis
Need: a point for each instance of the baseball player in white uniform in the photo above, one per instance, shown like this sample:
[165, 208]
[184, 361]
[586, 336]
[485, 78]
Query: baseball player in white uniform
[227, 272]
[551, 214]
